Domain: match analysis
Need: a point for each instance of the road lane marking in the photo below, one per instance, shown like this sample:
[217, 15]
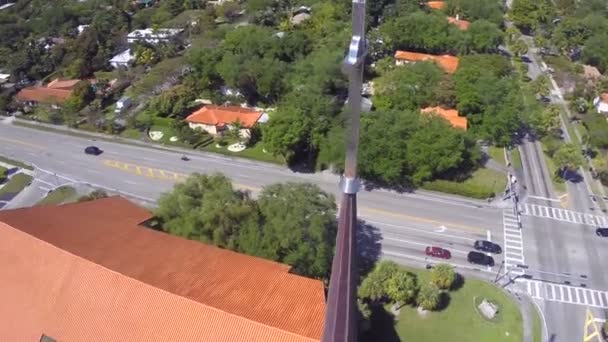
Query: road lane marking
[431, 261]
[15, 141]
[129, 182]
[162, 174]
[426, 245]
[419, 230]
[563, 215]
[544, 198]
[568, 294]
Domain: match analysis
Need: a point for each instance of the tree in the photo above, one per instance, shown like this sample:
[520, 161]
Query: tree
[541, 85]
[595, 51]
[484, 36]
[373, 286]
[229, 10]
[206, 208]
[402, 287]
[568, 157]
[298, 228]
[443, 276]
[408, 87]
[549, 122]
[95, 194]
[419, 31]
[429, 297]
[519, 48]
[474, 10]
[512, 34]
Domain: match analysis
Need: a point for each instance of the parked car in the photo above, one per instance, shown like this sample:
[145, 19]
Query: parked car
[487, 246]
[603, 232]
[438, 252]
[94, 150]
[480, 259]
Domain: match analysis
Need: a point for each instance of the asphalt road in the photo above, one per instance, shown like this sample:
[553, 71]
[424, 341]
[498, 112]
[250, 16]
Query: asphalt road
[406, 223]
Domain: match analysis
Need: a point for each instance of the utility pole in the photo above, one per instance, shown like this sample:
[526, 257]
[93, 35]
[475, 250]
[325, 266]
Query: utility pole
[341, 312]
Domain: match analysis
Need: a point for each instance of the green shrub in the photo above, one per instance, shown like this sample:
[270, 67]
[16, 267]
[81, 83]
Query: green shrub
[165, 122]
[597, 130]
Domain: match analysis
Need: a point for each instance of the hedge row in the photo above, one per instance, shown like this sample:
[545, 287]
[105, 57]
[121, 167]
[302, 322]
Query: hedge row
[461, 189]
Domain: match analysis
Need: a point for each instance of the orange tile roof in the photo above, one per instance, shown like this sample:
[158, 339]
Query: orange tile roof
[224, 115]
[436, 4]
[447, 62]
[450, 115]
[462, 24]
[43, 95]
[46, 290]
[106, 232]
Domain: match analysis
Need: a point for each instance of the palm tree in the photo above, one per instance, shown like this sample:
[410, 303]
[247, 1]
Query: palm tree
[519, 48]
[428, 297]
[235, 130]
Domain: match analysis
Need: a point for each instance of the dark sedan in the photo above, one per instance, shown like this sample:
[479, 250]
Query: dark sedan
[487, 246]
[603, 232]
[94, 150]
[480, 259]
[438, 252]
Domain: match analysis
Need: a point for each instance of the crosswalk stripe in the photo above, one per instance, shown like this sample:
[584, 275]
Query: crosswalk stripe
[563, 215]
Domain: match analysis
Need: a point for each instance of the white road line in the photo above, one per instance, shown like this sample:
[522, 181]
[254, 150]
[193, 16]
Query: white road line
[43, 188]
[93, 171]
[129, 182]
[419, 230]
[424, 244]
[543, 198]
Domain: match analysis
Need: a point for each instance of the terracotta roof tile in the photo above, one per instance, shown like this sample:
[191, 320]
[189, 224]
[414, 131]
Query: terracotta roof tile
[45, 290]
[221, 115]
[62, 84]
[436, 4]
[462, 24]
[106, 233]
[451, 115]
[43, 95]
[447, 62]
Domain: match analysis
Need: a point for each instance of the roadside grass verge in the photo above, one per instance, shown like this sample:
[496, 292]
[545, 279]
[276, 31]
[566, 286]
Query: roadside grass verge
[17, 183]
[60, 195]
[498, 154]
[254, 152]
[558, 184]
[537, 330]
[16, 163]
[516, 159]
[482, 184]
[459, 321]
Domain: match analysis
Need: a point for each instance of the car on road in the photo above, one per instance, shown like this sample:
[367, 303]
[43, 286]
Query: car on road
[480, 259]
[526, 59]
[603, 232]
[94, 150]
[438, 252]
[487, 246]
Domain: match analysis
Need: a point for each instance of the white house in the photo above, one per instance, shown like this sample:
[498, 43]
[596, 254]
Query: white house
[152, 36]
[123, 59]
[601, 103]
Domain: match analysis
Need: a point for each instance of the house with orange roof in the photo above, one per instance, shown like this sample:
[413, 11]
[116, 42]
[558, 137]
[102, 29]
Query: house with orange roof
[448, 63]
[451, 115]
[436, 4]
[463, 25]
[217, 119]
[55, 92]
[92, 271]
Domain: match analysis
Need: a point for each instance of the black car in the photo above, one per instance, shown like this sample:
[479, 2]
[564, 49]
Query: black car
[94, 150]
[480, 259]
[603, 232]
[526, 59]
[487, 246]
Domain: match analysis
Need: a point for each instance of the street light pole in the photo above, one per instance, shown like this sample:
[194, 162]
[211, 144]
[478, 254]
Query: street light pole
[341, 312]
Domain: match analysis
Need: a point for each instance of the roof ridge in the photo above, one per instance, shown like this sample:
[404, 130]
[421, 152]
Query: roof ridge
[75, 256]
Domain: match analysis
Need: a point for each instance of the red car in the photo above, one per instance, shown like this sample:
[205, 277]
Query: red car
[438, 252]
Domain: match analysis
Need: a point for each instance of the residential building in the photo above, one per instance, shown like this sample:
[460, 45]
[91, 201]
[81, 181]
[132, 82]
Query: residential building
[447, 62]
[217, 119]
[154, 36]
[436, 4]
[451, 115]
[601, 103]
[91, 271]
[461, 24]
[54, 93]
[123, 59]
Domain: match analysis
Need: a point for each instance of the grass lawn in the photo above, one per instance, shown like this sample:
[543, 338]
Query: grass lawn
[481, 185]
[17, 183]
[131, 133]
[16, 163]
[60, 195]
[558, 184]
[256, 152]
[498, 154]
[2, 171]
[459, 321]
[516, 159]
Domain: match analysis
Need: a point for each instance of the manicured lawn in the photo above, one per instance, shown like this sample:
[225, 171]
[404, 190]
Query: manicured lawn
[255, 152]
[516, 159]
[131, 133]
[60, 195]
[558, 184]
[17, 183]
[498, 154]
[481, 185]
[16, 163]
[459, 321]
